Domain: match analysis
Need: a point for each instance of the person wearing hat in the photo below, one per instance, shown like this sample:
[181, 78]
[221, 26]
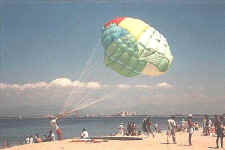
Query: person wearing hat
[190, 128]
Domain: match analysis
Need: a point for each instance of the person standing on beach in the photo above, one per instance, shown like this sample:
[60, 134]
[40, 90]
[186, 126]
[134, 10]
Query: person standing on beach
[207, 124]
[203, 124]
[157, 129]
[183, 125]
[171, 129]
[144, 127]
[219, 130]
[149, 126]
[190, 128]
[128, 128]
[55, 127]
[121, 129]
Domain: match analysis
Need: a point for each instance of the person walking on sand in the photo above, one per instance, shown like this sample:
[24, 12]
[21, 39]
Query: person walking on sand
[219, 130]
[190, 129]
[171, 129]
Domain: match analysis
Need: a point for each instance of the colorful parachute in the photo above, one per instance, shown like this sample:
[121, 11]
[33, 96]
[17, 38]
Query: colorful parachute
[133, 47]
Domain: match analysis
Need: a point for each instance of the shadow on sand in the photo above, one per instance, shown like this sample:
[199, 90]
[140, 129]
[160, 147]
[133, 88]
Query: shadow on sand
[167, 143]
[212, 148]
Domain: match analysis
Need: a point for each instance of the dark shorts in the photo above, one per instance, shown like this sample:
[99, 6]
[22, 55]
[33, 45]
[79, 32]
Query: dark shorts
[219, 132]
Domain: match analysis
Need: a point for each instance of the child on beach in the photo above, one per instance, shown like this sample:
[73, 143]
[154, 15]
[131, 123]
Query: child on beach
[84, 134]
[27, 140]
[38, 139]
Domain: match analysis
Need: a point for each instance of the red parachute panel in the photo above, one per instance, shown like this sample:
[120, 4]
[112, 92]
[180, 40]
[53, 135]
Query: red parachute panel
[117, 20]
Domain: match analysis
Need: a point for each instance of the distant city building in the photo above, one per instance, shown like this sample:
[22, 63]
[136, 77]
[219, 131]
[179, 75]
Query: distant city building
[124, 114]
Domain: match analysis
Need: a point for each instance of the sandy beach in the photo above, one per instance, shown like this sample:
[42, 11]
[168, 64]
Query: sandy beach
[157, 143]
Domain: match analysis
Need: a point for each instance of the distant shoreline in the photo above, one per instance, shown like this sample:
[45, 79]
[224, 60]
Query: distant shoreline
[106, 116]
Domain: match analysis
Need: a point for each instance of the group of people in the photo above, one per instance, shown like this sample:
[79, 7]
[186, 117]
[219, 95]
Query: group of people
[188, 126]
[214, 128]
[130, 130]
[33, 139]
[54, 128]
[218, 125]
[207, 125]
[148, 127]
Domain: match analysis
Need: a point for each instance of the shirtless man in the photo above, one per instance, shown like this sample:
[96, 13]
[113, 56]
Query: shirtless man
[219, 130]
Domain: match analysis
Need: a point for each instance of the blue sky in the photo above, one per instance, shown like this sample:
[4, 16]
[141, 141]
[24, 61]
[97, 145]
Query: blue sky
[41, 41]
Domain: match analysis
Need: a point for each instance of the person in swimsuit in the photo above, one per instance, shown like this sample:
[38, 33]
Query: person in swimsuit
[219, 130]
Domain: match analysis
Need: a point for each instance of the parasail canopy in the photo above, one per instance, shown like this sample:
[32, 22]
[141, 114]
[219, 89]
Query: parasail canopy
[132, 47]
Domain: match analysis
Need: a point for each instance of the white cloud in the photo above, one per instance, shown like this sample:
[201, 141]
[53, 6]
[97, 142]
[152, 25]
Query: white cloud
[93, 85]
[143, 86]
[78, 84]
[60, 82]
[64, 82]
[164, 85]
[3, 86]
[124, 86]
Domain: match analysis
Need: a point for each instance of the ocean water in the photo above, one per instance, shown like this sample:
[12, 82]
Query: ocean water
[14, 131]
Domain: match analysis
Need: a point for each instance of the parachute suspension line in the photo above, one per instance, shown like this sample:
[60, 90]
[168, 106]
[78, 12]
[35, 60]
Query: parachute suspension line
[84, 71]
[91, 68]
[89, 101]
[90, 60]
[94, 102]
[110, 94]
